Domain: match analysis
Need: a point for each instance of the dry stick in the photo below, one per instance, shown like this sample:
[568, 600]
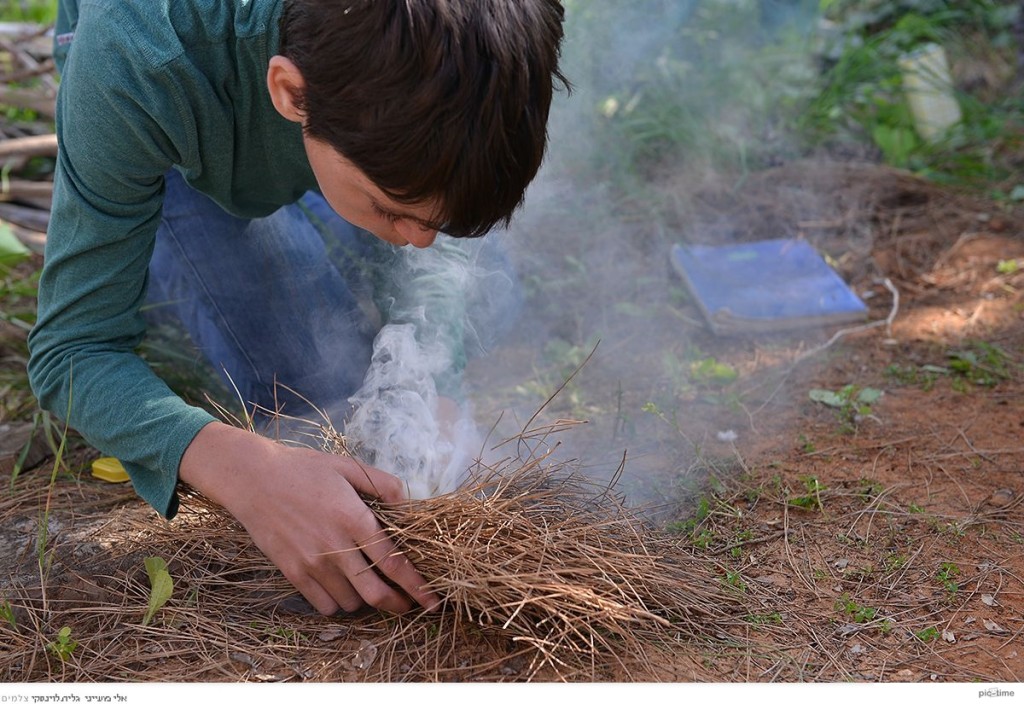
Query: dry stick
[28, 61]
[16, 189]
[28, 100]
[32, 219]
[45, 68]
[36, 145]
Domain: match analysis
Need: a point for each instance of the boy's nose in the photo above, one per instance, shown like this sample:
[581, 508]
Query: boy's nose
[415, 234]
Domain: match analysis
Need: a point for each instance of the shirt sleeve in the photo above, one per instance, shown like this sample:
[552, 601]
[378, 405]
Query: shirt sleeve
[121, 124]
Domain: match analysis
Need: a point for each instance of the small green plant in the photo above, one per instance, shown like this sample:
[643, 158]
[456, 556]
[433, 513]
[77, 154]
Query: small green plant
[63, 645]
[869, 489]
[1008, 266]
[894, 562]
[980, 364]
[770, 619]
[161, 586]
[923, 376]
[927, 635]
[734, 580]
[7, 612]
[851, 403]
[810, 500]
[807, 445]
[860, 614]
[948, 574]
[710, 372]
[703, 539]
[689, 526]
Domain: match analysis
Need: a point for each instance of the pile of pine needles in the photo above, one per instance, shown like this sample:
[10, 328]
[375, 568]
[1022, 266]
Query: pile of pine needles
[530, 552]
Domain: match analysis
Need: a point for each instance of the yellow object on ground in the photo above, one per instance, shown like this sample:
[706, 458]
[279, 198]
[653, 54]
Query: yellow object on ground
[109, 469]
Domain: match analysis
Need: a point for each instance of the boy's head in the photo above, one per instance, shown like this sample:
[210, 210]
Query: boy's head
[441, 102]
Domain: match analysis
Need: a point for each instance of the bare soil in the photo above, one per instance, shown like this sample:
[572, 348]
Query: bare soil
[885, 545]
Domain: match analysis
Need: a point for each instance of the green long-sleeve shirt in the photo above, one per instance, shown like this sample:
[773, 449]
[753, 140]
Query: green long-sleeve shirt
[147, 85]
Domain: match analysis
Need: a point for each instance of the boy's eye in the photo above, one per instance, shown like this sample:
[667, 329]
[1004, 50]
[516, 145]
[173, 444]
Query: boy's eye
[389, 216]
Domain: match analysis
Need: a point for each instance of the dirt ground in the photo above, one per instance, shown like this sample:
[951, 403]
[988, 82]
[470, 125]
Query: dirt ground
[883, 543]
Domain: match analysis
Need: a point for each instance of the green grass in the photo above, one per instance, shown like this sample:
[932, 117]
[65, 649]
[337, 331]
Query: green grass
[862, 98]
[38, 11]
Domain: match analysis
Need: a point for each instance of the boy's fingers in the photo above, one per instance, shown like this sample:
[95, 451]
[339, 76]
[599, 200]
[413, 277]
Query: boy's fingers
[394, 565]
[373, 482]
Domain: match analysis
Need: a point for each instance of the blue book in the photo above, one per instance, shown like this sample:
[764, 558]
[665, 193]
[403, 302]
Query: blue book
[766, 286]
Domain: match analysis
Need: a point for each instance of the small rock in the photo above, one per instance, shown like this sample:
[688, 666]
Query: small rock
[988, 599]
[1001, 498]
[948, 637]
[841, 563]
[857, 649]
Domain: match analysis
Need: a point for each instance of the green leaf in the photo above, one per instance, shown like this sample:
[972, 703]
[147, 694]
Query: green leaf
[829, 398]
[1007, 266]
[711, 371]
[161, 586]
[12, 251]
[868, 396]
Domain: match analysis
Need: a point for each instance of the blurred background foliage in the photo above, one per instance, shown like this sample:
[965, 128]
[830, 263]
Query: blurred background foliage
[739, 85]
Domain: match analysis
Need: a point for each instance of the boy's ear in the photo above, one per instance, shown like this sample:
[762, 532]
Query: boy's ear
[286, 86]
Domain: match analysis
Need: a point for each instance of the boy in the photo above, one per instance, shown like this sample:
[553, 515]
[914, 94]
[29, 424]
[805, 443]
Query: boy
[200, 144]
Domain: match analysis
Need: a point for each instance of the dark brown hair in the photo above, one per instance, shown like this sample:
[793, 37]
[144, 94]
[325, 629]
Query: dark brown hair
[432, 99]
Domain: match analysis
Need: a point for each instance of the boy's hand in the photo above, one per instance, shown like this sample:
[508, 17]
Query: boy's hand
[303, 510]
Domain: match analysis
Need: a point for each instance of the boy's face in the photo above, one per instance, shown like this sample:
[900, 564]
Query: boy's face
[354, 197]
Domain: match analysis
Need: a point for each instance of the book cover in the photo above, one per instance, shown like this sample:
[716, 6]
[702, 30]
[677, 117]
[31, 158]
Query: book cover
[766, 286]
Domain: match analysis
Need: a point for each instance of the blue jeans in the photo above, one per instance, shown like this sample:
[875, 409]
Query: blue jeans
[283, 306]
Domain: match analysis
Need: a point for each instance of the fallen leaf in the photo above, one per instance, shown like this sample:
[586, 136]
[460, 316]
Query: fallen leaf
[330, 634]
[841, 563]
[161, 586]
[948, 637]
[243, 658]
[365, 656]
[988, 600]
[857, 649]
[993, 627]
[970, 619]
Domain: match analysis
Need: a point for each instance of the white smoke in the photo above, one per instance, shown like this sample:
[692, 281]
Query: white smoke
[400, 422]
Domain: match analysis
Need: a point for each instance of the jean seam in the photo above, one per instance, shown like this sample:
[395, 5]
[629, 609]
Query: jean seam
[223, 321]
